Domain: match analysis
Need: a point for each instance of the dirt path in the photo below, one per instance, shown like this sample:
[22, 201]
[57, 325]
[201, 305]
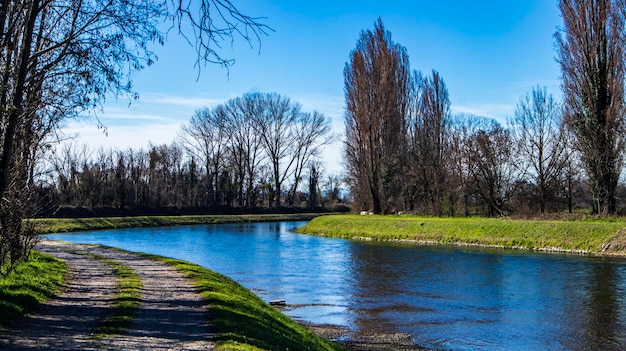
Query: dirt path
[172, 316]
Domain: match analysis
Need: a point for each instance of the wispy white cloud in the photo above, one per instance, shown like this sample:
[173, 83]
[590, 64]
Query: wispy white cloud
[132, 116]
[329, 105]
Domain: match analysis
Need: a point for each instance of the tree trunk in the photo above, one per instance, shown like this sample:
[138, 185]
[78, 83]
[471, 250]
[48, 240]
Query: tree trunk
[18, 99]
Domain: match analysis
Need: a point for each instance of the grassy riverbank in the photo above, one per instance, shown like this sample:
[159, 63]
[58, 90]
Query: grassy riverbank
[243, 321]
[31, 283]
[62, 225]
[580, 236]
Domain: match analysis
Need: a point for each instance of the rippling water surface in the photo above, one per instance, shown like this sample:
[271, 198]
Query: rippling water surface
[446, 298]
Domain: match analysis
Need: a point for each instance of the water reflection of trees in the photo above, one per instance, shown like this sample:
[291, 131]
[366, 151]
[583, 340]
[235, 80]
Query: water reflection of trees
[603, 309]
[566, 303]
[424, 291]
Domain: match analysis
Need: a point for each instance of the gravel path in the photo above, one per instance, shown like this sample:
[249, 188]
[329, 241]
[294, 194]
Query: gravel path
[172, 316]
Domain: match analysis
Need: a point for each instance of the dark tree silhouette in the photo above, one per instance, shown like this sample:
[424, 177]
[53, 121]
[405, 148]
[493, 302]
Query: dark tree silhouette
[492, 167]
[428, 125]
[376, 80]
[591, 54]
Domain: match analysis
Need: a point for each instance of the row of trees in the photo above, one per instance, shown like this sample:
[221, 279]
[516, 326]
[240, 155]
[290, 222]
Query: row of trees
[251, 152]
[405, 151]
[60, 59]
[259, 138]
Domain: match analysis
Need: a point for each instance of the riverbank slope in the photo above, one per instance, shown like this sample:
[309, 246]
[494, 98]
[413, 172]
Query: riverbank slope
[590, 236]
[181, 306]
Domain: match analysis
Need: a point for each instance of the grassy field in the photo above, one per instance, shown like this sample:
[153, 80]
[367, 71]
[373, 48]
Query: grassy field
[581, 236]
[242, 320]
[31, 283]
[61, 225]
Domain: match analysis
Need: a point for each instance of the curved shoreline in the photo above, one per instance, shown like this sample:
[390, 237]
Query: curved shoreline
[182, 306]
[487, 246]
[588, 238]
[611, 246]
[340, 336]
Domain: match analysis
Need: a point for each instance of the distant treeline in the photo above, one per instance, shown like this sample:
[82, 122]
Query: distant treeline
[258, 151]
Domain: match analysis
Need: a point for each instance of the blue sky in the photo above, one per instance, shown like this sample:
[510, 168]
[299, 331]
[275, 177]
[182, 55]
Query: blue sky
[489, 53]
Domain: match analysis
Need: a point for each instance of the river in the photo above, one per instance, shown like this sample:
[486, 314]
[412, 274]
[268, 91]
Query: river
[445, 298]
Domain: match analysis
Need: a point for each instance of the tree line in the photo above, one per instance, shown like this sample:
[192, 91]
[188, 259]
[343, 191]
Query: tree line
[405, 150]
[256, 151]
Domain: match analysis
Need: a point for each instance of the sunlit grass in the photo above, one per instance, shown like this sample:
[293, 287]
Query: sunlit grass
[242, 320]
[576, 236]
[31, 283]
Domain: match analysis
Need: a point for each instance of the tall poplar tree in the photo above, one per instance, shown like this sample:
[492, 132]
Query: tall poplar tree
[376, 80]
[428, 125]
[591, 54]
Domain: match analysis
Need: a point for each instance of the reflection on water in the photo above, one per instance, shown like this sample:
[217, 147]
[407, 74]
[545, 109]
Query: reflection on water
[457, 299]
[603, 309]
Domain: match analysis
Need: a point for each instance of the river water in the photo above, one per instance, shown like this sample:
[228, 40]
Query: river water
[445, 298]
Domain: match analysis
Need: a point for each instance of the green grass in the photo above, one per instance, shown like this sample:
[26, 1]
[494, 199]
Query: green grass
[584, 236]
[60, 225]
[243, 321]
[31, 283]
[127, 298]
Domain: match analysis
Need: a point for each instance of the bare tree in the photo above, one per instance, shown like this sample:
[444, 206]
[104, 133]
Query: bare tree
[591, 55]
[313, 131]
[245, 144]
[492, 167]
[376, 89]
[540, 142]
[206, 138]
[460, 185]
[428, 126]
[276, 122]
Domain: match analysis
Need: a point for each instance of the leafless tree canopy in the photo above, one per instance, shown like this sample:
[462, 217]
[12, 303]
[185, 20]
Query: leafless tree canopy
[255, 137]
[428, 123]
[376, 88]
[492, 167]
[540, 139]
[591, 54]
